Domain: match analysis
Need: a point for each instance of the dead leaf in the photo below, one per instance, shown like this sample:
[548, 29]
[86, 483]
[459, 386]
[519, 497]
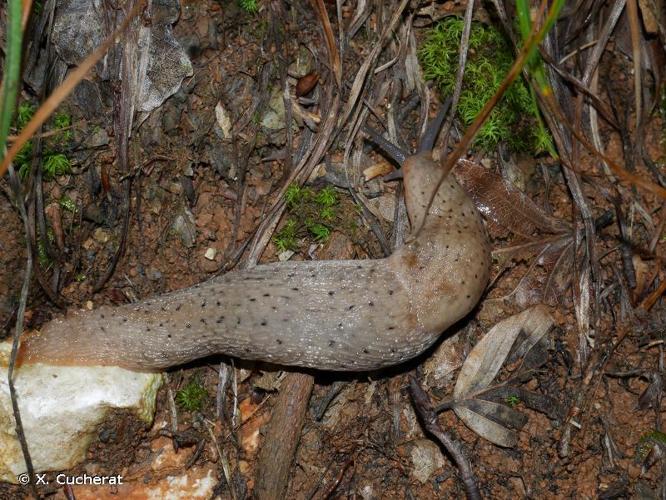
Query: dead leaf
[504, 204]
[510, 339]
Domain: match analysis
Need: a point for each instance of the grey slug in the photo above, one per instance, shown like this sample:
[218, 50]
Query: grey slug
[331, 315]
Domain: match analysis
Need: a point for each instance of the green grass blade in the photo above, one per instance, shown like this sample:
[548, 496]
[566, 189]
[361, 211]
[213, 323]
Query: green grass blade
[12, 70]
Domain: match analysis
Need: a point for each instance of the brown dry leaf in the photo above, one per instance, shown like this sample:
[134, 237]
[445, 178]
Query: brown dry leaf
[504, 204]
[548, 238]
[488, 419]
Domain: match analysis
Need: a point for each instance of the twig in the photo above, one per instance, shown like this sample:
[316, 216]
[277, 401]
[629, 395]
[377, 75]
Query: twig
[462, 60]
[424, 408]
[20, 315]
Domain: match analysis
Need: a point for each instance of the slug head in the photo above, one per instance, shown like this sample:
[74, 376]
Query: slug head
[421, 178]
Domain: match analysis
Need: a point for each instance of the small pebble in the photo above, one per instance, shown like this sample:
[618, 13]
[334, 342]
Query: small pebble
[210, 253]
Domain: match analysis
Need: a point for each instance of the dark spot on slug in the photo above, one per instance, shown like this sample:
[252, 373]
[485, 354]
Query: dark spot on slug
[101, 316]
[267, 295]
[331, 343]
[391, 327]
[103, 329]
[168, 335]
[365, 351]
[148, 329]
[350, 307]
[219, 320]
[187, 325]
[124, 320]
[203, 320]
[295, 289]
[218, 303]
[371, 303]
[238, 321]
[331, 292]
[252, 299]
[278, 341]
[390, 292]
[264, 323]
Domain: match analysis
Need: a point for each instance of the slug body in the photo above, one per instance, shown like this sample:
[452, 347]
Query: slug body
[329, 315]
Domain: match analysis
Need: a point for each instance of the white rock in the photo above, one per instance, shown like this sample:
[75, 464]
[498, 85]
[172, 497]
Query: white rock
[210, 253]
[426, 458]
[62, 408]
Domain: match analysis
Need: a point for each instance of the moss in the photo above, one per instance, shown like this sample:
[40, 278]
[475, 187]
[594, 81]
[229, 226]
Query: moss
[249, 6]
[311, 214]
[55, 161]
[514, 120]
[192, 396]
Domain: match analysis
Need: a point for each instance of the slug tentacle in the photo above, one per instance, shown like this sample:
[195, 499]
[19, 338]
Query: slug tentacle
[329, 315]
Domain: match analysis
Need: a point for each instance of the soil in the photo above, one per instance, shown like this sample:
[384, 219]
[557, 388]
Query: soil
[368, 443]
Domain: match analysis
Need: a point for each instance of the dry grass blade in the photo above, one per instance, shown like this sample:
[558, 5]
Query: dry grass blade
[334, 55]
[462, 60]
[632, 12]
[59, 94]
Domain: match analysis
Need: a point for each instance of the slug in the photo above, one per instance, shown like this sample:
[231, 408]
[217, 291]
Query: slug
[350, 315]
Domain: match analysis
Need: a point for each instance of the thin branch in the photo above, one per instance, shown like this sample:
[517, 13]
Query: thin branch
[20, 316]
[429, 417]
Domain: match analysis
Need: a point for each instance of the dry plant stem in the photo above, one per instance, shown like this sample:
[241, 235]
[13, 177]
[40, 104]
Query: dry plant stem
[462, 60]
[282, 436]
[651, 299]
[632, 13]
[429, 417]
[20, 317]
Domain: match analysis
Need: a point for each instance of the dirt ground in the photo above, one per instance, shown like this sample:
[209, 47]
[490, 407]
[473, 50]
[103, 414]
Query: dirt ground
[361, 437]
